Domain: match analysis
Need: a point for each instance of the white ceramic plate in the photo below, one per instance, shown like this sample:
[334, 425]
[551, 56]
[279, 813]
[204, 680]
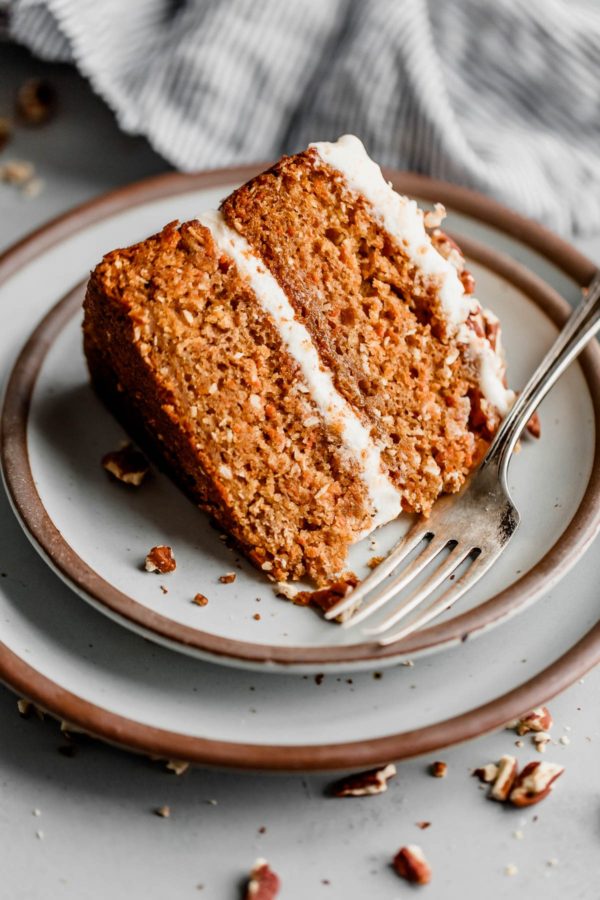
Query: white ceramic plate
[95, 534]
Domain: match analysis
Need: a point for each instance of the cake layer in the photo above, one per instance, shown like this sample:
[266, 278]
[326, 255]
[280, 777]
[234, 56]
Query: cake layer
[181, 348]
[407, 347]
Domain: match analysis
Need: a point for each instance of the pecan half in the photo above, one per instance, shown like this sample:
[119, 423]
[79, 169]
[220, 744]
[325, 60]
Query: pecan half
[410, 864]
[534, 783]
[364, 784]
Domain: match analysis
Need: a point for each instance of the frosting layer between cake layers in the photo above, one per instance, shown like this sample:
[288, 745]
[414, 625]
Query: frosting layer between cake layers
[337, 413]
[403, 220]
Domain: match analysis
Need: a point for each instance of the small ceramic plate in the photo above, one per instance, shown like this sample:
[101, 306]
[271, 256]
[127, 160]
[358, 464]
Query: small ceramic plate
[95, 533]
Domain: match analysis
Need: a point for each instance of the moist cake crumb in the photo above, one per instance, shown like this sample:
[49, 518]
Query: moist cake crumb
[228, 578]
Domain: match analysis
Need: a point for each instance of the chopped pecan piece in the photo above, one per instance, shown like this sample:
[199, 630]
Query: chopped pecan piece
[534, 783]
[263, 884]
[328, 596]
[364, 784]
[487, 774]
[127, 465]
[178, 766]
[438, 769]
[538, 719]
[200, 600]
[36, 101]
[410, 864]
[17, 172]
[505, 778]
[160, 559]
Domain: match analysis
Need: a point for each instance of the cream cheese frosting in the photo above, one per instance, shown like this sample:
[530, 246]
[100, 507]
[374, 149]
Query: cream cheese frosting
[384, 497]
[404, 222]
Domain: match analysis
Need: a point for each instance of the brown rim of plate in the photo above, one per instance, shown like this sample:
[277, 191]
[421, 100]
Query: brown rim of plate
[560, 674]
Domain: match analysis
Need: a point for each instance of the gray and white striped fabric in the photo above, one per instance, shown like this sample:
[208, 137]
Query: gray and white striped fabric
[502, 96]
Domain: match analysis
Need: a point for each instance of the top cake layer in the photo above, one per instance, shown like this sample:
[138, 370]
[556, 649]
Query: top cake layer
[383, 300]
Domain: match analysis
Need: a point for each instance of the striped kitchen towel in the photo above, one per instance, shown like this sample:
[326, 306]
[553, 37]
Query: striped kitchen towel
[502, 96]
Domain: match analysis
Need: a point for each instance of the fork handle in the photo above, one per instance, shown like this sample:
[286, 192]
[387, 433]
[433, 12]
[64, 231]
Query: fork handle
[582, 324]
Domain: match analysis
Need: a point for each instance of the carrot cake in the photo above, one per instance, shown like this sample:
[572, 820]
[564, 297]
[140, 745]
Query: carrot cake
[307, 362]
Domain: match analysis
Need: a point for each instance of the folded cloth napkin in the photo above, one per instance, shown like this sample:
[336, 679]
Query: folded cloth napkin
[502, 96]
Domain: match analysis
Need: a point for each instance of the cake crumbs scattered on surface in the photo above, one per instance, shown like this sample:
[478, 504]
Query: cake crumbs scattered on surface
[511, 869]
[518, 835]
[564, 740]
[319, 678]
[256, 617]
[200, 600]
[377, 675]
[552, 862]
[177, 766]
[160, 559]
[408, 663]
[423, 825]
[228, 578]
[164, 589]
[36, 812]
[39, 835]
[164, 812]
[374, 561]
[438, 769]
[262, 829]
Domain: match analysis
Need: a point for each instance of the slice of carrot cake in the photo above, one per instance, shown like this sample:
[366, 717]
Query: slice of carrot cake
[307, 363]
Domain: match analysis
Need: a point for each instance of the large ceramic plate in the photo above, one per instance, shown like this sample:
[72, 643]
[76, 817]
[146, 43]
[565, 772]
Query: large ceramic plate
[84, 668]
[96, 534]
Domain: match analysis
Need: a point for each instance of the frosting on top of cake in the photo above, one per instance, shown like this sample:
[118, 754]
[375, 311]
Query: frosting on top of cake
[385, 498]
[404, 221]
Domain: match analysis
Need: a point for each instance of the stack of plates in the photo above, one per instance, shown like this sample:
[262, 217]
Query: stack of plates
[283, 689]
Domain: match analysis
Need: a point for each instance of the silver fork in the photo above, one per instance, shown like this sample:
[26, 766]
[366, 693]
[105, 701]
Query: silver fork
[468, 530]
